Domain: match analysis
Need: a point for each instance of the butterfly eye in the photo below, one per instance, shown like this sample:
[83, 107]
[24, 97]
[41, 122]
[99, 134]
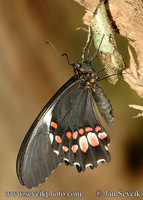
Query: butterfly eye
[76, 64]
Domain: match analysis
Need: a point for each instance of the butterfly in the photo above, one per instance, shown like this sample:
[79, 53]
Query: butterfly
[67, 129]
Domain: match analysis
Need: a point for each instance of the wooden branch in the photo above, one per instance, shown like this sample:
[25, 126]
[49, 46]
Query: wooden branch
[127, 15]
[137, 108]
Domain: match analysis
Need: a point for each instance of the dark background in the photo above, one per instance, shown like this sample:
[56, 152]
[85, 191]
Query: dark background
[31, 72]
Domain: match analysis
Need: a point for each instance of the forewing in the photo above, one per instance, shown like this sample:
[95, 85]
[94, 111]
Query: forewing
[36, 159]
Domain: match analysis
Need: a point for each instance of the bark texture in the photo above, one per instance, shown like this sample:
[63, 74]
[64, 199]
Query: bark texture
[127, 16]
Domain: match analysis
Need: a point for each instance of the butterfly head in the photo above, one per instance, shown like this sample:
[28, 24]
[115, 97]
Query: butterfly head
[84, 69]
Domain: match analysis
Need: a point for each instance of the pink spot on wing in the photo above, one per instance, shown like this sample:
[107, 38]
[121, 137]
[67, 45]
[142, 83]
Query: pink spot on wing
[75, 135]
[83, 144]
[88, 129]
[102, 135]
[97, 129]
[74, 148]
[65, 148]
[81, 131]
[58, 139]
[93, 140]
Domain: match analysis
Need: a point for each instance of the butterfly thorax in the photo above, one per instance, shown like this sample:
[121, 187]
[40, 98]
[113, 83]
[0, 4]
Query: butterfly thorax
[85, 72]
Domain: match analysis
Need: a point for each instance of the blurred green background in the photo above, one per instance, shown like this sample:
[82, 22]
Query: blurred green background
[31, 72]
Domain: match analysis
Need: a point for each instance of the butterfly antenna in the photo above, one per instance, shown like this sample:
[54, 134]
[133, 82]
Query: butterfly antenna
[97, 51]
[100, 70]
[48, 42]
[64, 54]
[88, 46]
[119, 73]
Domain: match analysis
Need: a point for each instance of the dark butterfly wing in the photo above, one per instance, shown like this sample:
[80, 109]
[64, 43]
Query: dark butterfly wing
[76, 134]
[103, 104]
[67, 130]
[36, 159]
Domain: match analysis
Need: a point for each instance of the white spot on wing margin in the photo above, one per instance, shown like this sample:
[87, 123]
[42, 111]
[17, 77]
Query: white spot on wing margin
[76, 163]
[88, 165]
[100, 160]
[57, 152]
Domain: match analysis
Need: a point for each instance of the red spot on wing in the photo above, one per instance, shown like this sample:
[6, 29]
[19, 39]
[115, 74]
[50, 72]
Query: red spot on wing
[54, 125]
[65, 148]
[74, 148]
[83, 144]
[97, 128]
[68, 134]
[102, 135]
[58, 139]
[75, 135]
[93, 140]
[88, 129]
[81, 131]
